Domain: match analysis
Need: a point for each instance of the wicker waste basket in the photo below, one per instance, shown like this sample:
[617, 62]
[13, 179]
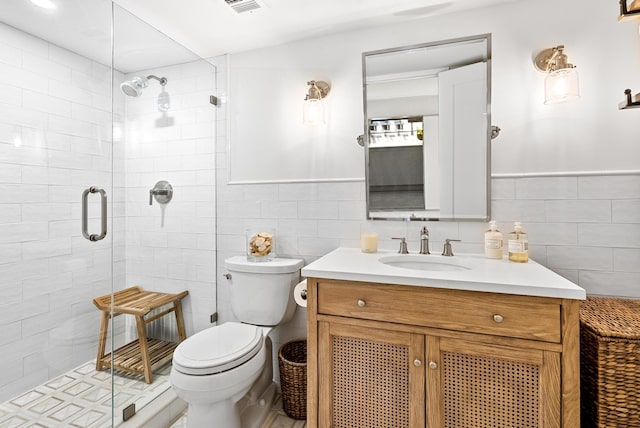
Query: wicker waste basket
[610, 362]
[292, 362]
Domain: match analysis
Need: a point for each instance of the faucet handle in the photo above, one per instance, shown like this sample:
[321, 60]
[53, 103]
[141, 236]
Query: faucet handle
[424, 240]
[448, 251]
[403, 246]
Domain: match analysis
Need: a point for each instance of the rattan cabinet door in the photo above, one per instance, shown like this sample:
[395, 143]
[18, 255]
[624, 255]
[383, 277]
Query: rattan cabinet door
[475, 385]
[370, 378]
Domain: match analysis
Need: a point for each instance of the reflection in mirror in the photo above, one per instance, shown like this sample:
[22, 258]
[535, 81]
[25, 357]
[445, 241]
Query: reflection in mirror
[427, 130]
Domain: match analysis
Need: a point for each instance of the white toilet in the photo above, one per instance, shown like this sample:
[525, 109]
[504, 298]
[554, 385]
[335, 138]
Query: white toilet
[225, 373]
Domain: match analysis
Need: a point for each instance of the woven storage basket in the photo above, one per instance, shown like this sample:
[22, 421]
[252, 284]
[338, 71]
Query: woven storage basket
[292, 362]
[610, 362]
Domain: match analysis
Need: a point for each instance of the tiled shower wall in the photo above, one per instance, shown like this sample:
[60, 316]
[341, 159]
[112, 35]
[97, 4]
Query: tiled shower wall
[172, 247]
[55, 141]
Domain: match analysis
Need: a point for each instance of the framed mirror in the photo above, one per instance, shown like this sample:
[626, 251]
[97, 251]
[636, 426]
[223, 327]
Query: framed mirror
[427, 130]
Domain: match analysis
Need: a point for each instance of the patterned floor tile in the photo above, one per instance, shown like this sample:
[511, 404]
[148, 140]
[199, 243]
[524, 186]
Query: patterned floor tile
[81, 398]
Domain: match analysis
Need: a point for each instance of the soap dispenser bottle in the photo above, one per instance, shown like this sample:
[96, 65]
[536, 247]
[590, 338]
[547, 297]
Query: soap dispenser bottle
[493, 242]
[518, 244]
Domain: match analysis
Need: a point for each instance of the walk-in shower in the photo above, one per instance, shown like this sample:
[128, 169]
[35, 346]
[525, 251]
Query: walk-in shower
[68, 125]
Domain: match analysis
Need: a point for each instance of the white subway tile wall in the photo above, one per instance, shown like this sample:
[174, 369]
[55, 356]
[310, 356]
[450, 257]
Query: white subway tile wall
[171, 247]
[55, 141]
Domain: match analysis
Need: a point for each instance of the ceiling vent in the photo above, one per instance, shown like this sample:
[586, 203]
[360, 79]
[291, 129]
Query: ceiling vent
[241, 6]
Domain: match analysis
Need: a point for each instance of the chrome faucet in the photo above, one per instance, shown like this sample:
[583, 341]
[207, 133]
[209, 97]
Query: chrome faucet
[448, 251]
[424, 241]
[403, 246]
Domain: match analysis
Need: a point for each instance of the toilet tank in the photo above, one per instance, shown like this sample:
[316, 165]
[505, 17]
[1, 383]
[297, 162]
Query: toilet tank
[262, 292]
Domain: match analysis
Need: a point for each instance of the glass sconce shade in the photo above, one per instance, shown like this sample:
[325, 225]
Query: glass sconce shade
[313, 112]
[561, 86]
[313, 108]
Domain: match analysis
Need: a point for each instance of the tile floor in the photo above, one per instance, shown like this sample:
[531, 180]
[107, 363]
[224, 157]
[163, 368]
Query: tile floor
[81, 398]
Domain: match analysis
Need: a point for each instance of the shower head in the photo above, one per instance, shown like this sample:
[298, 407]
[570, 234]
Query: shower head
[134, 86]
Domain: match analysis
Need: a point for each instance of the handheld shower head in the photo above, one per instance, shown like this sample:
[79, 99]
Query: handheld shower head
[134, 86]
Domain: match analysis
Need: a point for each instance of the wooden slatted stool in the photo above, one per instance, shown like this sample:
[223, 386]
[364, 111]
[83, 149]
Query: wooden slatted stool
[144, 354]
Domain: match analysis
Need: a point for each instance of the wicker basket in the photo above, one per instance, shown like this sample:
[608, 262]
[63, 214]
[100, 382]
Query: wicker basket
[610, 362]
[292, 362]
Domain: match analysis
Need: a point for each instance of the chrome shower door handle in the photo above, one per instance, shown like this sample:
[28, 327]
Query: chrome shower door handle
[103, 214]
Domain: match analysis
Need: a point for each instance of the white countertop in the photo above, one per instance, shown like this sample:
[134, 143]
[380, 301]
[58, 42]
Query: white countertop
[482, 274]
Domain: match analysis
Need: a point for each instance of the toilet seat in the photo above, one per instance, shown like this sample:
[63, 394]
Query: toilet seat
[218, 349]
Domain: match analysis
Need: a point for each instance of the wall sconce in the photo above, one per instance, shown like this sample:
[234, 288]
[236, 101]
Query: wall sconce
[313, 107]
[561, 84]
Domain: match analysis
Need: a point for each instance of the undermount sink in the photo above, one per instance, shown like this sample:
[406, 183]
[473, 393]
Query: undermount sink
[421, 262]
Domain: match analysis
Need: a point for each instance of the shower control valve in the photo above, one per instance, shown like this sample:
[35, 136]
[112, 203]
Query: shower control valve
[162, 192]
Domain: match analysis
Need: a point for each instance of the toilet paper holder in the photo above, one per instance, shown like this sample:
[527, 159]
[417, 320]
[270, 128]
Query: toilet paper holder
[300, 293]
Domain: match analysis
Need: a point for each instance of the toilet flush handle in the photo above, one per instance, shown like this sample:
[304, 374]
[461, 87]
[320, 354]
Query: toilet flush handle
[227, 275]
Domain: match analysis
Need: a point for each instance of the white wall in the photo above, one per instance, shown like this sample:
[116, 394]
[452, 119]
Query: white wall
[535, 138]
[585, 227]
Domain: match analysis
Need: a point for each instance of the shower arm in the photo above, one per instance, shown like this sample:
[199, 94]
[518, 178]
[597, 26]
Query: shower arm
[162, 80]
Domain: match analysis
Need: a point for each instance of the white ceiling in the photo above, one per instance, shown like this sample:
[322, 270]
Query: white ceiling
[211, 27]
[206, 27]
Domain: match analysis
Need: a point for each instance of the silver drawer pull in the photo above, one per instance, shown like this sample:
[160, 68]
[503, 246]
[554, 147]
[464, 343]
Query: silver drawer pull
[417, 362]
[433, 365]
[361, 303]
[498, 318]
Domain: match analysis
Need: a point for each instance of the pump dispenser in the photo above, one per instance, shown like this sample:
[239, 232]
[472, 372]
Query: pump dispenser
[518, 244]
[493, 242]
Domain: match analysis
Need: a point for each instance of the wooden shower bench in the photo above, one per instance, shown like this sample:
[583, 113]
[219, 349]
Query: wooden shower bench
[144, 354]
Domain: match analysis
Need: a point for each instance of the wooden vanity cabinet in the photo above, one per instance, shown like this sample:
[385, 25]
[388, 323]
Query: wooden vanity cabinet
[382, 355]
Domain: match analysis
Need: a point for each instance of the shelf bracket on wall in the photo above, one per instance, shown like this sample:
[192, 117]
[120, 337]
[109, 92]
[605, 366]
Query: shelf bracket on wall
[629, 11]
[631, 101]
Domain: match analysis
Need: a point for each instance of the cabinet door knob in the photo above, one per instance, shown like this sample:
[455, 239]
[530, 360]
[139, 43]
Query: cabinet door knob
[498, 318]
[433, 365]
[417, 362]
[361, 303]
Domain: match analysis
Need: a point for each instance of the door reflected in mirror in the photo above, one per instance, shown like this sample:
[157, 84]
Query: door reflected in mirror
[427, 130]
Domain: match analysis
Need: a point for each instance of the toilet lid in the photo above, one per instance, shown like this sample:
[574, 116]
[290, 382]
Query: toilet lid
[217, 349]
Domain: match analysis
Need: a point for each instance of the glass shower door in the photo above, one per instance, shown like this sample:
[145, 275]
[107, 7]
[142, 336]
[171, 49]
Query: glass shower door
[56, 190]
[78, 157]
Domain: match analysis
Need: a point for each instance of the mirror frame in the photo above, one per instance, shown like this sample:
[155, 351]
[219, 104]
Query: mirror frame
[487, 38]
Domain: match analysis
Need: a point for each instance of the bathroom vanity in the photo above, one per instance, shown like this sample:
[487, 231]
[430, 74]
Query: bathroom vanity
[431, 341]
